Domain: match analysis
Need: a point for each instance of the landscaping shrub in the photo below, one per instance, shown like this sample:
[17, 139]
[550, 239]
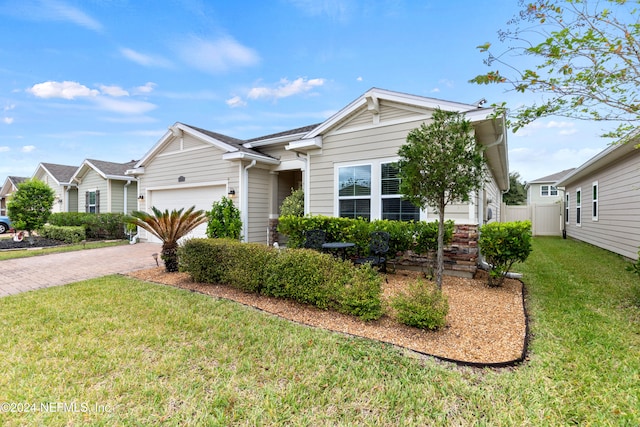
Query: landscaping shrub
[302, 275]
[67, 234]
[204, 259]
[360, 296]
[305, 276]
[224, 220]
[97, 226]
[293, 204]
[423, 306]
[503, 244]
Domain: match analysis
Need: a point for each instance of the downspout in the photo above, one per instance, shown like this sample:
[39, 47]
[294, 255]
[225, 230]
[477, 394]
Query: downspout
[126, 193]
[244, 204]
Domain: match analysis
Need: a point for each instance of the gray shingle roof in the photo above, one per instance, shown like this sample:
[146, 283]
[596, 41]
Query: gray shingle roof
[303, 129]
[62, 173]
[111, 168]
[553, 177]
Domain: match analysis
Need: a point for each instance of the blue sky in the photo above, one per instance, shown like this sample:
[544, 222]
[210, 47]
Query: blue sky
[104, 79]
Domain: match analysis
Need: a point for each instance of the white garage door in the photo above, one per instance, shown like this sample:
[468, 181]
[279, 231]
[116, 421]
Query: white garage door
[201, 197]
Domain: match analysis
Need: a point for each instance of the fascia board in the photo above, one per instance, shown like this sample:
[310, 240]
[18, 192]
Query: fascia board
[305, 144]
[241, 155]
[601, 159]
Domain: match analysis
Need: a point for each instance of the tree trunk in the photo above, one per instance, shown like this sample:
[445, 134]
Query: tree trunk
[440, 253]
[170, 257]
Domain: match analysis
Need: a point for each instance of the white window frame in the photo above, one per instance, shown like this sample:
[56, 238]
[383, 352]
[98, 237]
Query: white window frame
[94, 205]
[389, 196]
[376, 183]
[371, 197]
[552, 191]
[579, 206]
[595, 205]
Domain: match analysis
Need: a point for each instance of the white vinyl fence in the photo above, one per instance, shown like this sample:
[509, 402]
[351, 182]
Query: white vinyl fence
[546, 220]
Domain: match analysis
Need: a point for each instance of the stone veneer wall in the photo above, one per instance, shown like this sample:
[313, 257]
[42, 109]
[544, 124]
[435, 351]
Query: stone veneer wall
[460, 257]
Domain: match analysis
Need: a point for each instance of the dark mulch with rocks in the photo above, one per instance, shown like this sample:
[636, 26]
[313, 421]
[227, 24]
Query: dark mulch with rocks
[38, 242]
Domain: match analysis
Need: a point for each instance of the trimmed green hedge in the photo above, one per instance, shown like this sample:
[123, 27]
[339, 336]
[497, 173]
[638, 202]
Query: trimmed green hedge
[67, 234]
[97, 226]
[302, 275]
[503, 244]
[420, 236]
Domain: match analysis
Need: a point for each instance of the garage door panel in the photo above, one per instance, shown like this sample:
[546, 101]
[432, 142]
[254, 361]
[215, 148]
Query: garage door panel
[183, 198]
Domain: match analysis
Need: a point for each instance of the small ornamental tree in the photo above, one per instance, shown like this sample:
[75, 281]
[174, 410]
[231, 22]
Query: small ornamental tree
[30, 206]
[224, 220]
[503, 244]
[169, 227]
[517, 194]
[441, 163]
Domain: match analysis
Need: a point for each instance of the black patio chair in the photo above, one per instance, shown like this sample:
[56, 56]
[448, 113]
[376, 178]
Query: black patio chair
[314, 239]
[378, 248]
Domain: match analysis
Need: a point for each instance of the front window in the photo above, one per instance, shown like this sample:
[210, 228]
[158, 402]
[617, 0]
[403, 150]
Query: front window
[393, 205]
[548, 190]
[594, 208]
[578, 205]
[92, 202]
[354, 191]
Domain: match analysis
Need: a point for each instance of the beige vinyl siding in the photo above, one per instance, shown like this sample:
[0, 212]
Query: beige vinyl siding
[374, 143]
[617, 228]
[73, 199]
[117, 196]
[535, 197]
[259, 196]
[196, 166]
[92, 181]
[189, 142]
[279, 152]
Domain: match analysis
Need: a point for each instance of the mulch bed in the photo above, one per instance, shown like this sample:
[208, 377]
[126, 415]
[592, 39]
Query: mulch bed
[485, 326]
[26, 243]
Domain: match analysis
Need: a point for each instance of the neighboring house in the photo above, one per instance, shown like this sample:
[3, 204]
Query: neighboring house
[8, 188]
[104, 187]
[59, 178]
[345, 165]
[544, 191]
[602, 199]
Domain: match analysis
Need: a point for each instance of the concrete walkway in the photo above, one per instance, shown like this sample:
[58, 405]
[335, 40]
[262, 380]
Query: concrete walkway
[28, 274]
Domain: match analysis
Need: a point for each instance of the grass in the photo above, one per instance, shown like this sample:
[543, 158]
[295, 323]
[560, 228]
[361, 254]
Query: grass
[131, 353]
[23, 253]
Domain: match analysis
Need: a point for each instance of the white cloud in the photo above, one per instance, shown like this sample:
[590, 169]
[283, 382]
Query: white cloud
[285, 88]
[359, 79]
[4, 149]
[8, 120]
[216, 56]
[28, 148]
[61, 11]
[235, 102]
[146, 88]
[113, 91]
[9, 107]
[124, 106]
[65, 90]
[562, 125]
[145, 60]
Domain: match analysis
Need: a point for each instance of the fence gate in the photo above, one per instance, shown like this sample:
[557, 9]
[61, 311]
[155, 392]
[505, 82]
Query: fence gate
[546, 220]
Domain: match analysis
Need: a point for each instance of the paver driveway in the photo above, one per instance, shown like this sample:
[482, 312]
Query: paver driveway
[27, 274]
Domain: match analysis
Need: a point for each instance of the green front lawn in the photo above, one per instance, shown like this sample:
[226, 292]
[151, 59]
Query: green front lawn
[23, 253]
[117, 351]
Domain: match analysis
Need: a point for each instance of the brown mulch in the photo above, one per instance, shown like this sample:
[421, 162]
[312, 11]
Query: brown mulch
[485, 326]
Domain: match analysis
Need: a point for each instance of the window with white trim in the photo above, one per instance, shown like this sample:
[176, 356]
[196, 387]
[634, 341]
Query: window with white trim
[594, 206]
[566, 208]
[394, 207]
[354, 191]
[578, 206]
[92, 201]
[548, 190]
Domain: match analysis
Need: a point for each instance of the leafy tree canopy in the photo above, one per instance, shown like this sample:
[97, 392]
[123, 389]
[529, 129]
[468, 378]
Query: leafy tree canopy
[517, 194]
[441, 163]
[586, 57]
[30, 206]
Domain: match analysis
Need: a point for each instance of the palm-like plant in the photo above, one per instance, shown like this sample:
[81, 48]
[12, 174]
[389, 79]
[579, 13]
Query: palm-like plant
[169, 227]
